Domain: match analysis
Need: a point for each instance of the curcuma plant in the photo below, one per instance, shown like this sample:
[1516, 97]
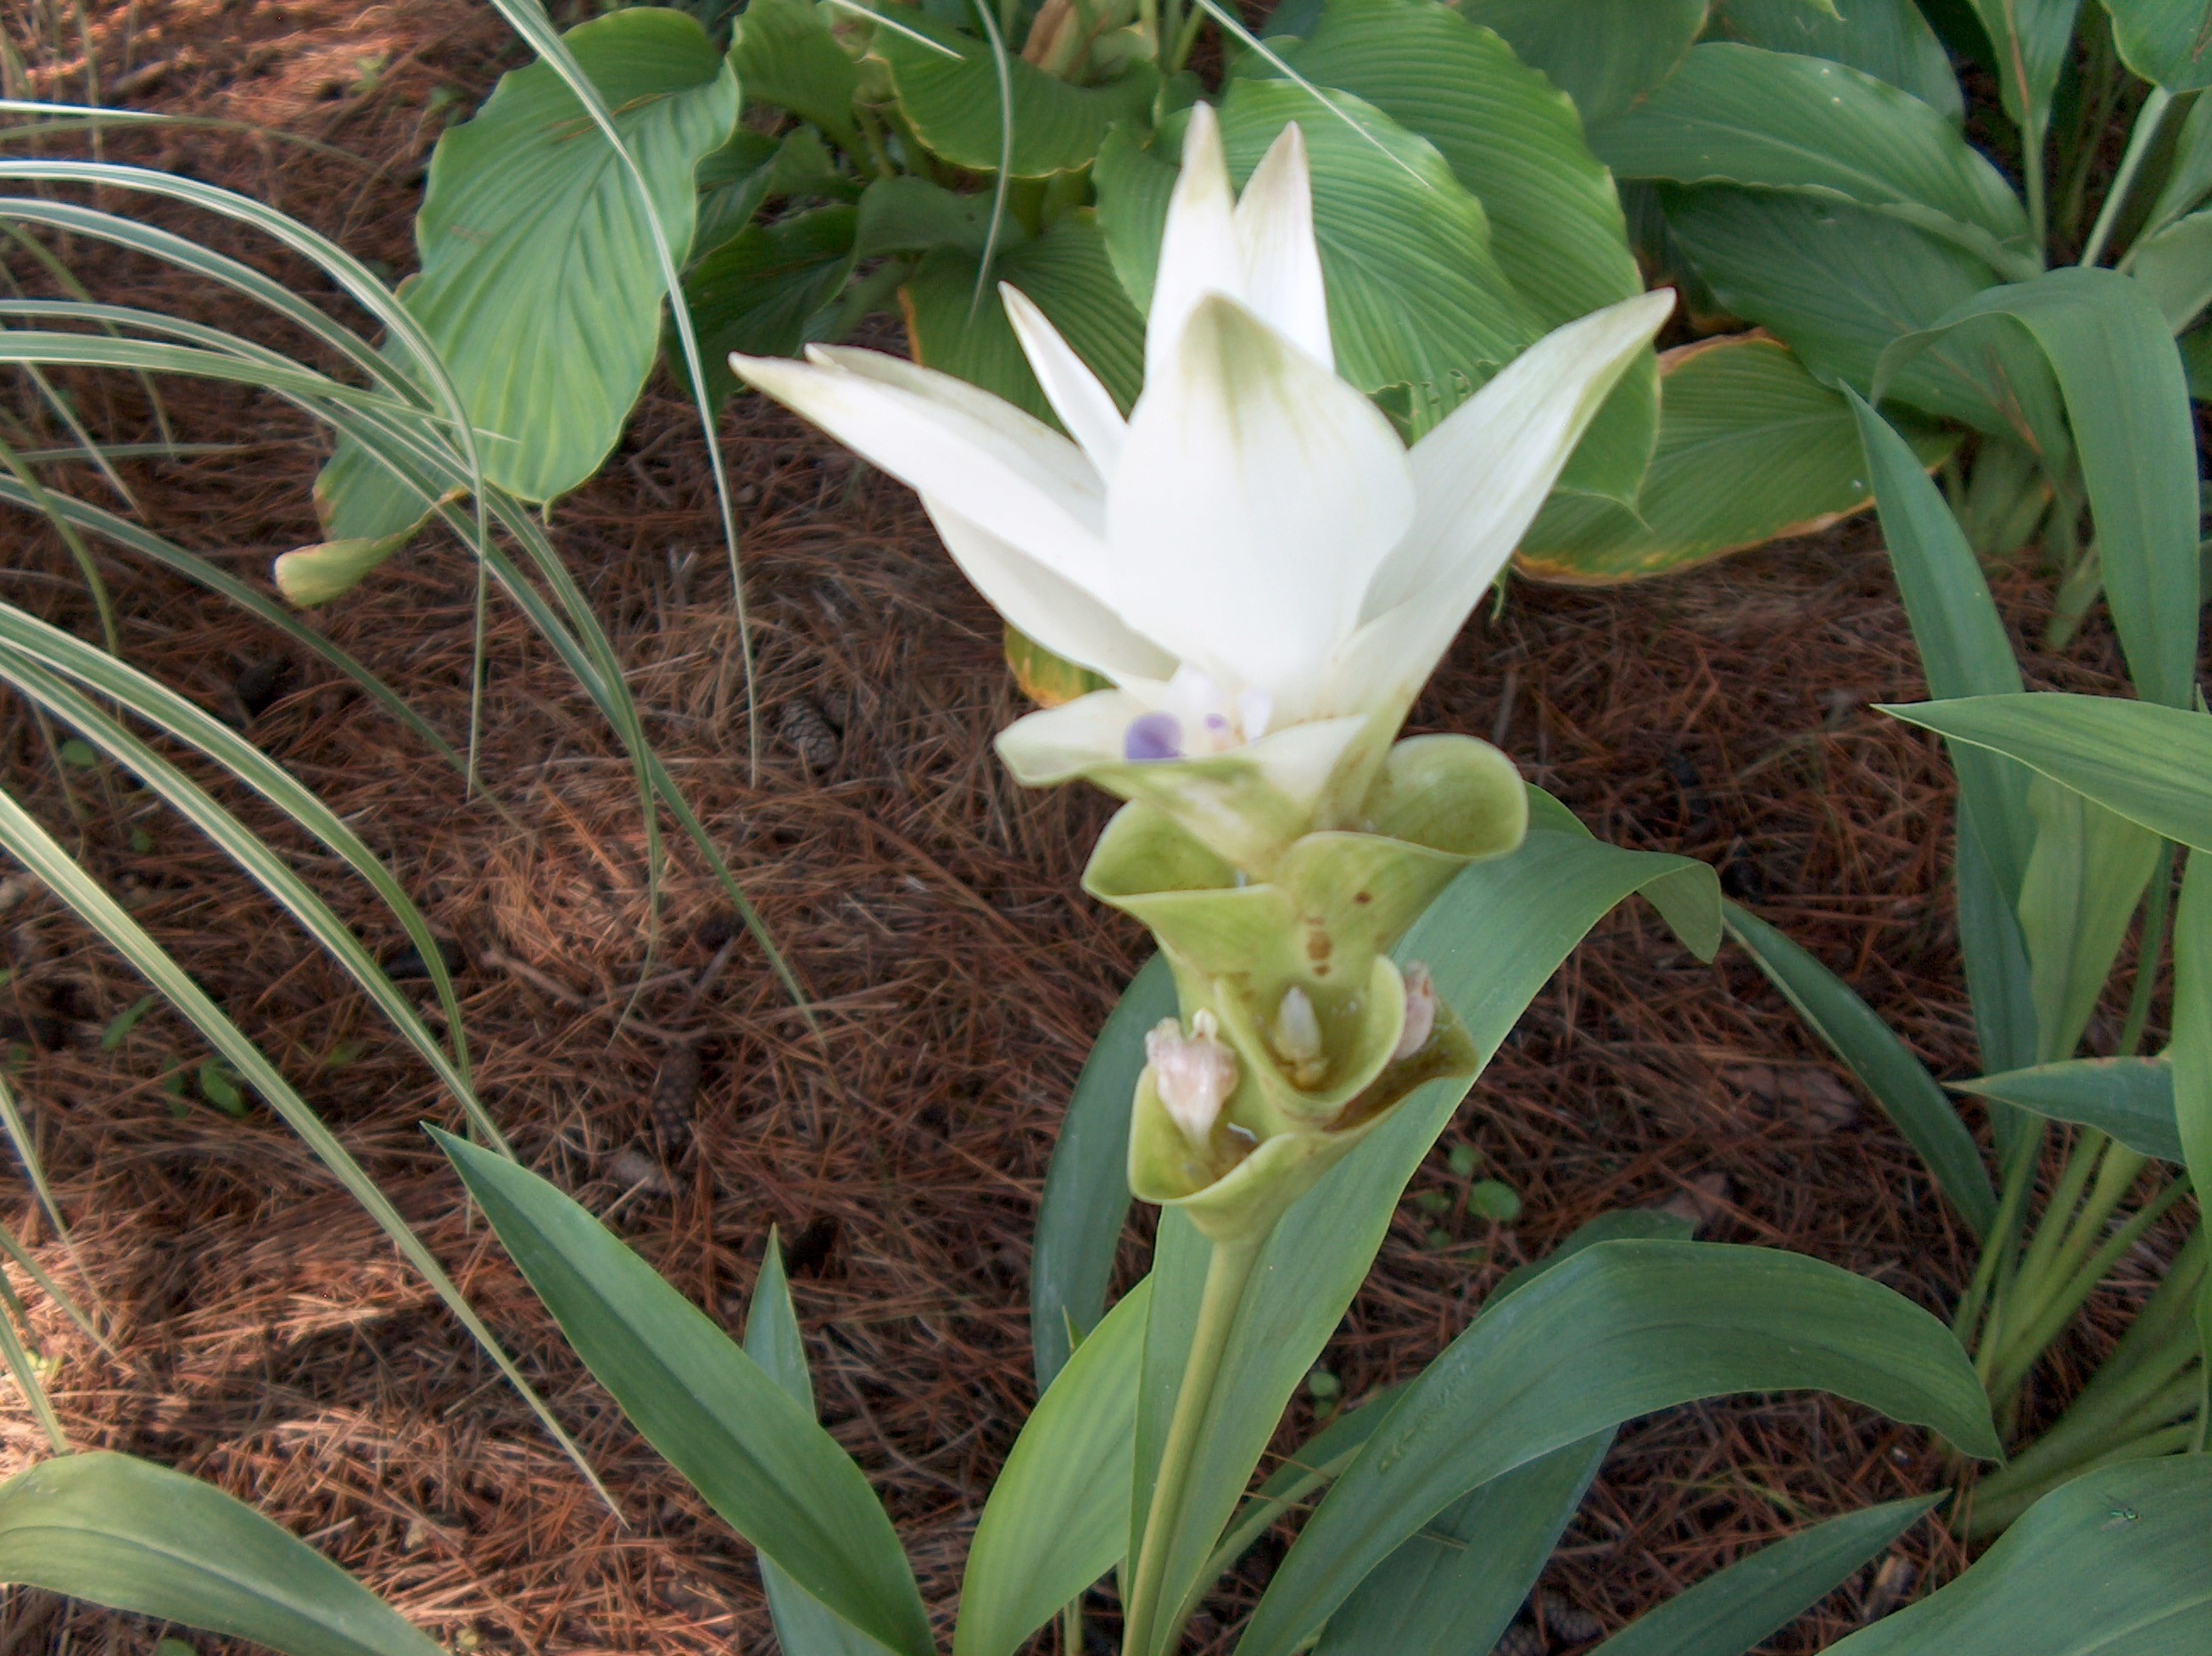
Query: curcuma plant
[1351, 925]
[2072, 810]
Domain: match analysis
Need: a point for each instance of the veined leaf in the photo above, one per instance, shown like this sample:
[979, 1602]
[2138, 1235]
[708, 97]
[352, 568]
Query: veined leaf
[756, 1454]
[124, 1532]
[2189, 176]
[1887, 39]
[2163, 41]
[2031, 40]
[1740, 115]
[1751, 448]
[1733, 1610]
[1555, 219]
[759, 291]
[2111, 1564]
[953, 103]
[1058, 1517]
[2130, 1099]
[787, 58]
[1619, 1331]
[2175, 264]
[910, 214]
[2149, 763]
[1604, 54]
[540, 284]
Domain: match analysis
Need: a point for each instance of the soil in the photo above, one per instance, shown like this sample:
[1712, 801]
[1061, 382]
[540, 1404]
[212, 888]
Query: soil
[269, 1340]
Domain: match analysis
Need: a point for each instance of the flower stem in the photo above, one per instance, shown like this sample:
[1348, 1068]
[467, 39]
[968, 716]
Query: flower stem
[1226, 1275]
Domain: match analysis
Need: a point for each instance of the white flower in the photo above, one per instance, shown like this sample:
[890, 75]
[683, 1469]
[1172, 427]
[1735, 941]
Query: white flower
[1194, 1074]
[1253, 557]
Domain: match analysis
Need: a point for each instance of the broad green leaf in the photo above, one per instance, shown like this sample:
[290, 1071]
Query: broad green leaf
[2111, 1564]
[804, 1625]
[2083, 884]
[1751, 448]
[1622, 1225]
[2114, 360]
[1066, 271]
[1455, 1584]
[1887, 39]
[2176, 266]
[540, 284]
[2032, 39]
[953, 104]
[1085, 1203]
[1134, 178]
[2130, 1099]
[1736, 1609]
[1058, 1517]
[1885, 1066]
[908, 215]
[760, 291]
[2149, 763]
[2163, 41]
[1740, 115]
[756, 1454]
[1621, 1329]
[787, 58]
[1839, 283]
[1604, 54]
[128, 1534]
[1555, 219]
[1493, 940]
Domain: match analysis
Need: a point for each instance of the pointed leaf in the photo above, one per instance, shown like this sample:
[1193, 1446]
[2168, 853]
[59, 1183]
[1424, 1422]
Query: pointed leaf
[128, 1534]
[2130, 1099]
[756, 1454]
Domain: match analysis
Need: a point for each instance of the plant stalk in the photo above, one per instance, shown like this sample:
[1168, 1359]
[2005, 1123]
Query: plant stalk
[2147, 120]
[1227, 1274]
[2158, 907]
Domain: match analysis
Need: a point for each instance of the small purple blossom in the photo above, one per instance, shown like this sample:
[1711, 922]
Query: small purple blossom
[1153, 736]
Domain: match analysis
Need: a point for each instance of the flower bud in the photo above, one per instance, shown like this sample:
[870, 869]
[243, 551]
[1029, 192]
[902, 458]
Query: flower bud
[1420, 1013]
[1194, 1074]
[1296, 1037]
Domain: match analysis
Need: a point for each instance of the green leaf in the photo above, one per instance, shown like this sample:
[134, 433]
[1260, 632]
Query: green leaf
[1885, 1066]
[2130, 1099]
[2189, 175]
[2084, 882]
[756, 1455]
[2191, 1050]
[760, 291]
[2151, 765]
[1058, 1517]
[1751, 448]
[787, 58]
[1555, 219]
[1736, 1609]
[2163, 41]
[1736, 114]
[952, 102]
[2111, 1564]
[1887, 39]
[1134, 180]
[1491, 940]
[909, 214]
[1454, 1585]
[540, 284]
[2176, 266]
[1086, 1189]
[1621, 1329]
[2032, 39]
[317, 575]
[959, 325]
[136, 1537]
[1604, 54]
[804, 1625]
[2128, 404]
[1840, 283]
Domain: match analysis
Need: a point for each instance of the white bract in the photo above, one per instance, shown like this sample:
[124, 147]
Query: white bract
[1253, 558]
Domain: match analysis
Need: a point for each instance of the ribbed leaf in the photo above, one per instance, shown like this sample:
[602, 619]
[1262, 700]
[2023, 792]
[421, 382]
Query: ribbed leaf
[2032, 39]
[1604, 54]
[2163, 41]
[2084, 881]
[1888, 39]
[2130, 1099]
[787, 58]
[133, 1536]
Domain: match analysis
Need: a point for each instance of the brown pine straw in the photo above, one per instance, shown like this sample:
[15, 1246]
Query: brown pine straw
[272, 1342]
